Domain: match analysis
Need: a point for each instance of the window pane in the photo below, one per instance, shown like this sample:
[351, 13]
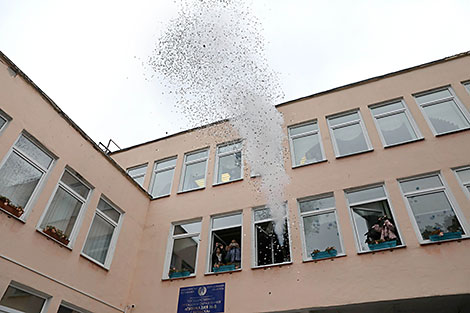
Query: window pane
[62, 212]
[195, 176]
[366, 194]
[2, 121]
[421, 183]
[433, 96]
[464, 175]
[25, 145]
[387, 108]
[262, 214]
[295, 130]
[307, 150]
[229, 148]
[396, 128]
[139, 180]
[99, 239]
[317, 204]
[166, 163]
[137, 171]
[433, 211]
[188, 228]
[446, 116]
[184, 254]
[226, 221]
[22, 301]
[75, 184]
[196, 156]
[467, 85]
[343, 119]
[63, 309]
[268, 249]
[321, 232]
[109, 211]
[350, 139]
[229, 167]
[18, 179]
[162, 183]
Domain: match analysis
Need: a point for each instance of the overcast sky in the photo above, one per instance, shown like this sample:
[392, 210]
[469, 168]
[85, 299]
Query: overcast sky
[87, 55]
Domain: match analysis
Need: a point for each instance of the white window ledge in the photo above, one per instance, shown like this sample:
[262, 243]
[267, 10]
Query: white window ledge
[325, 259]
[271, 265]
[382, 250]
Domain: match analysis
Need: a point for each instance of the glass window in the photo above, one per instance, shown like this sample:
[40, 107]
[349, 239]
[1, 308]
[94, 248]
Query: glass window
[3, 122]
[348, 134]
[268, 248]
[183, 247]
[464, 176]
[226, 240]
[394, 123]
[21, 301]
[193, 175]
[138, 173]
[228, 165]
[467, 85]
[320, 227]
[373, 220]
[163, 177]
[305, 144]
[431, 207]
[68, 308]
[443, 110]
[65, 208]
[103, 233]
[21, 173]
[4, 119]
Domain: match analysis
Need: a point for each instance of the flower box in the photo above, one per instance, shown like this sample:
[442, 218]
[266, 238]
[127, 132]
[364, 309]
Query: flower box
[179, 274]
[16, 211]
[446, 236]
[383, 245]
[324, 254]
[224, 268]
[50, 231]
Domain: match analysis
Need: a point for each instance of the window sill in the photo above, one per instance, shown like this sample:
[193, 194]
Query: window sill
[94, 261]
[355, 153]
[382, 250]
[190, 190]
[403, 143]
[227, 182]
[271, 265]
[452, 132]
[303, 165]
[226, 272]
[178, 278]
[9, 215]
[53, 239]
[429, 242]
[325, 259]
[159, 197]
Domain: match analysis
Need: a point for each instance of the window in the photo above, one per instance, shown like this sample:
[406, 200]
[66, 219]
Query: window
[305, 144]
[21, 174]
[430, 206]
[319, 224]
[394, 123]
[19, 299]
[69, 308]
[183, 247]
[348, 134]
[163, 177]
[138, 173]
[193, 175]
[228, 165]
[226, 239]
[4, 119]
[268, 249]
[443, 111]
[372, 218]
[464, 176]
[65, 208]
[467, 85]
[103, 233]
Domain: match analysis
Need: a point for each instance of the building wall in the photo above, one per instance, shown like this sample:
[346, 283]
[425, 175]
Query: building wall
[415, 270]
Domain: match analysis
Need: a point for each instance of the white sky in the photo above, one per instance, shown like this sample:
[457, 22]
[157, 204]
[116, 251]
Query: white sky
[87, 55]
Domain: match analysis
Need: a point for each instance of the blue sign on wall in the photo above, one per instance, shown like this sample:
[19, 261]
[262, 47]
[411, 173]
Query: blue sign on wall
[202, 299]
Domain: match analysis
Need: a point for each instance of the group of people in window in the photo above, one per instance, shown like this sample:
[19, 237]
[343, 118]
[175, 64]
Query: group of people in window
[227, 255]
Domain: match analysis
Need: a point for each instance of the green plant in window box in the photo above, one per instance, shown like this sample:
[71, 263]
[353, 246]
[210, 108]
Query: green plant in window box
[327, 253]
[57, 234]
[8, 206]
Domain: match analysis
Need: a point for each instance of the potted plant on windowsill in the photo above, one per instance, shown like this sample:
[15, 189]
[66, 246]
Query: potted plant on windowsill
[6, 205]
[329, 252]
[57, 234]
[174, 273]
[438, 235]
[223, 268]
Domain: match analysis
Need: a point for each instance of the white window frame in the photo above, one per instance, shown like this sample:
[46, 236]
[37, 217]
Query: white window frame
[117, 229]
[464, 184]
[405, 110]
[254, 244]
[301, 135]
[71, 306]
[466, 84]
[29, 290]
[134, 177]
[155, 172]
[209, 250]
[307, 255]
[45, 171]
[170, 244]
[346, 124]
[185, 165]
[219, 155]
[357, 236]
[453, 98]
[71, 192]
[6, 118]
[444, 188]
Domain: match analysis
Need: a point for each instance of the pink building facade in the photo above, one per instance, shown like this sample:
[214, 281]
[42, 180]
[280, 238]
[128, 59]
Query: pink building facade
[377, 209]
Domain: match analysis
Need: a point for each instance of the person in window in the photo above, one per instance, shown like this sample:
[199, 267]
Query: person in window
[234, 254]
[217, 258]
[382, 231]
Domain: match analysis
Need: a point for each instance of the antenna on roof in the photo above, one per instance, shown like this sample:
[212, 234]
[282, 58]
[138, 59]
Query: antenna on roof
[106, 148]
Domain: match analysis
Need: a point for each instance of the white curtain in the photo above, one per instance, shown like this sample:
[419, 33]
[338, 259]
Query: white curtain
[99, 239]
[62, 212]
